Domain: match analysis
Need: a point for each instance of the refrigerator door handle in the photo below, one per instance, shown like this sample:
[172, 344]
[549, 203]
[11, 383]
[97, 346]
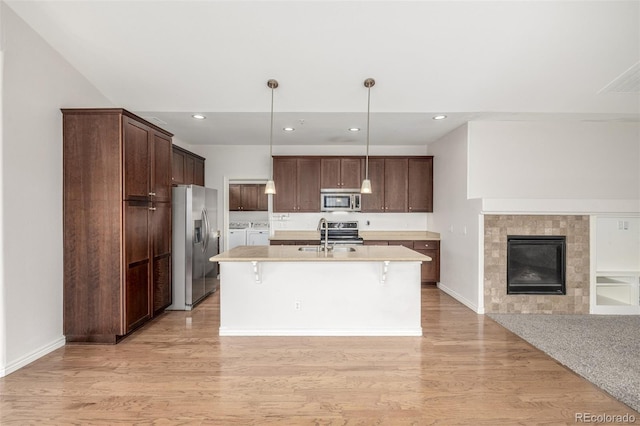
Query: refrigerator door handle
[207, 227]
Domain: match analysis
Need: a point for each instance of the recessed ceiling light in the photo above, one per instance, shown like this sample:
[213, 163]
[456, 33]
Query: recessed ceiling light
[439, 117]
[198, 116]
[354, 129]
[288, 129]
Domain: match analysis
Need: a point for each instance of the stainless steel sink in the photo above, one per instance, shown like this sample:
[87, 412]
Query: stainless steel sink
[342, 249]
[310, 248]
[336, 249]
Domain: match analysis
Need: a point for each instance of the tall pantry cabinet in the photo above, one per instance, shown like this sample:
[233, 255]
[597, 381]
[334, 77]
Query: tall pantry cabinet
[117, 223]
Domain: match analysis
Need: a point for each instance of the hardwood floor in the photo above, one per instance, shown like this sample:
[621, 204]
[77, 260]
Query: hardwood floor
[177, 370]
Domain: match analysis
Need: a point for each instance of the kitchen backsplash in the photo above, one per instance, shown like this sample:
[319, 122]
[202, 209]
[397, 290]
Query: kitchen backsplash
[259, 216]
[367, 221]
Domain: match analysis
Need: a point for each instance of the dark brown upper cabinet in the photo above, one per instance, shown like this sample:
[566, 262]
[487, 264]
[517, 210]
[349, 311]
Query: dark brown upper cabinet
[247, 197]
[297, 182]
[399, 184]
[336, 172]
[187, 167]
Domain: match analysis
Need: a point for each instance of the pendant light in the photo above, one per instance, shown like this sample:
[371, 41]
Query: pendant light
[270, 188]
[366, 183]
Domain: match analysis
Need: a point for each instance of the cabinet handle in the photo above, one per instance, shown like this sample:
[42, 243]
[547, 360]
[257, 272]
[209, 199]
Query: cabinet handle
[426, 245]
[153, 209]
[153, 194]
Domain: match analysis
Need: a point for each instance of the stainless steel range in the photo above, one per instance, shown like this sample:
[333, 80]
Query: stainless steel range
[341, 232]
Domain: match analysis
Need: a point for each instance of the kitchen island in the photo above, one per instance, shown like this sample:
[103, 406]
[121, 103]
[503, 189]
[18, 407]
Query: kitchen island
[306, 291]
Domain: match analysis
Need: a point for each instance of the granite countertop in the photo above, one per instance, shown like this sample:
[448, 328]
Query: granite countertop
[366, 235]
[292, 254]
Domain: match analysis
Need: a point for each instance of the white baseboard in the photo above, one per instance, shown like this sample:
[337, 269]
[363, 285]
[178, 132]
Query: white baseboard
[29, 358]
[469, 304]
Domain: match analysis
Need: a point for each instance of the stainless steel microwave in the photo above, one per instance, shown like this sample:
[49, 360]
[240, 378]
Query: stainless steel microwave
[340, 200]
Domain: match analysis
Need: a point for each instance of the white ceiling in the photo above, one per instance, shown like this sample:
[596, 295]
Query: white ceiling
[475, 60]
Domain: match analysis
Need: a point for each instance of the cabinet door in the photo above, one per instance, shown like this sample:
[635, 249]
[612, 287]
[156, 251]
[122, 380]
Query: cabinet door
[395, 184]
[198, 172]
[161, 243]
[308, 177]
[350, 172]
[374, 202]
[189, 167]
[137, 160]
[235, 197]
[404, 243]
[161, 168]
[263, 199]
[430, 271]
[177, 167]
[330, 173]
[249, 195]
[285, 174]
[375, 243]
[420, 185]
[138, 264]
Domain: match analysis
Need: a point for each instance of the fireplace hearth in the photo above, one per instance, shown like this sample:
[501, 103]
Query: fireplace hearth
[536, 264]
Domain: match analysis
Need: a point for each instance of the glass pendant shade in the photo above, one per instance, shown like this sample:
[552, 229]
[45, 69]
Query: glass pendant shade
[270, 188]
[366, 187]
[366, 183]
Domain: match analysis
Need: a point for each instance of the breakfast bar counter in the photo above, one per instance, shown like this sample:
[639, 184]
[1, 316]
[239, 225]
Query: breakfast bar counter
[306, 291]
[340, 253]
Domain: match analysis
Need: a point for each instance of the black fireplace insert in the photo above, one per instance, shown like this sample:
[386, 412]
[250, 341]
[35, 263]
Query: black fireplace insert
[536, 264]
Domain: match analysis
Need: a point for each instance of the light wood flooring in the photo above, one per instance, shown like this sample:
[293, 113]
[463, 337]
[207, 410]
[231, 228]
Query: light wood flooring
[466, 369]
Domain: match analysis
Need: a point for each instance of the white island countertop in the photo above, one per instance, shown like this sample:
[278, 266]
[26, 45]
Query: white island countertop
[362, 253]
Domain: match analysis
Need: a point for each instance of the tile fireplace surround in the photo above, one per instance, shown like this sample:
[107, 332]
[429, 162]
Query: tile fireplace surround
[575, 228]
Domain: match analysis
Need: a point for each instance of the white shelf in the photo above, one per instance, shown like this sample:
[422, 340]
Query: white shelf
[615, 258]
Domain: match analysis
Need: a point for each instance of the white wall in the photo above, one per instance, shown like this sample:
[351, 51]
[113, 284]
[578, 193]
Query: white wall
[457, 219]
[563, 166]
[37, 83]
[3, 327]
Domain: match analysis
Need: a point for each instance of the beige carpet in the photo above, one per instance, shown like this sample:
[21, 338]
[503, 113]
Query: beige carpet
[604, 349]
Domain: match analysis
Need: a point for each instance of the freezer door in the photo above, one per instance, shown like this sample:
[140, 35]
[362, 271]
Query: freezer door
[212, 247]
[196, 290]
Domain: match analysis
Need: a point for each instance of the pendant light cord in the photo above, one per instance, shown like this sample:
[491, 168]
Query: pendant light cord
[271, 136]
[368, 114]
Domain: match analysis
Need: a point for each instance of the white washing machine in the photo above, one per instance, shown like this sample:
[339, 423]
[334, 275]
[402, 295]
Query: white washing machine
[238, 234]
[258, 234]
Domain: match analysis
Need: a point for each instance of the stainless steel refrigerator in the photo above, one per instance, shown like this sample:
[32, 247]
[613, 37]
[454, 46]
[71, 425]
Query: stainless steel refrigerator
[195, 240]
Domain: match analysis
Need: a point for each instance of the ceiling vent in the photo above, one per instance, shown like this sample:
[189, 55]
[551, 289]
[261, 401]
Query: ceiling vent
[155, 120]
[627, 82]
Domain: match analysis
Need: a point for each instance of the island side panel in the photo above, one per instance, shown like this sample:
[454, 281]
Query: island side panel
[320, 299]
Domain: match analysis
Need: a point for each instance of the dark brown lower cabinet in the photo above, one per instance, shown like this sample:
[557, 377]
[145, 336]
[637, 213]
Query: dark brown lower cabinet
[137, 295]
[160, 220]
[138, 263]
[430, 271]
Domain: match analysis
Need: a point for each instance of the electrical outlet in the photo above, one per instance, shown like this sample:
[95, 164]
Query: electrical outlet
[296, 305]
